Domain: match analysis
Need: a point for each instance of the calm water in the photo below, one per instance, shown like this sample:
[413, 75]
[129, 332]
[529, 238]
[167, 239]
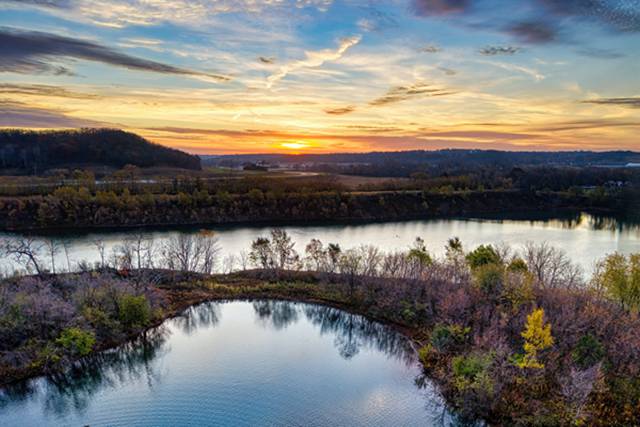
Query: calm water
[261, 363]
[584, 237]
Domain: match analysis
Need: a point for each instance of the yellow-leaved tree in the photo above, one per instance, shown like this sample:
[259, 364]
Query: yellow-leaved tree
[537, 337]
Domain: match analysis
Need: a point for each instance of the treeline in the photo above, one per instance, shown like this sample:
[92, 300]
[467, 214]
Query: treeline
[32, 152]
[70, 207]
[513, 336]
[444, 158]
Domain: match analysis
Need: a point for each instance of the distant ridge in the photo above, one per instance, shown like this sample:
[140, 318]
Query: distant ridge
[36, 151]
[440, 157]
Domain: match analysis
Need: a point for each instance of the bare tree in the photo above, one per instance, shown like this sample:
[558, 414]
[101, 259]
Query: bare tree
[52, 247]
[282, 245]
[101, 247]
[551, 267]
[188, 252]
[577, 387]
[316, 255]
[243, 258]
[25, 251]
[65, 247]
[141, 248]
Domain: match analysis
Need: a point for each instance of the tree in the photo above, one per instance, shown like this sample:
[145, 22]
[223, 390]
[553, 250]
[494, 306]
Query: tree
[188, 252]
[483, 255]
[316, 255]
[537, 337]
[25, 251]
[551, 268]
[261, 254]
[53, 247]
[285, 255]
[619, 277]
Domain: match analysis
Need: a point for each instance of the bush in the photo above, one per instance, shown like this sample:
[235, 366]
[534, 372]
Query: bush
[588, 351]
[472, 372]
[135, 311]
[76, 341]
[490, 278]
[448, 337]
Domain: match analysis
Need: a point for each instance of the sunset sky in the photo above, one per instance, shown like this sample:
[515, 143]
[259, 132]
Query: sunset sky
[256, 76]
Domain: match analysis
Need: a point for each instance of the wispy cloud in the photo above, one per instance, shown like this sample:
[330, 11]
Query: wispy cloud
[313, 59]
[42, 90]
[341, 110]
[499, 50]
[631, 102]
[267, 60]
[403, 93]
[33, 52]
[599, 53]
[440, 7]
[430, 48]
[533, 32]
[122, 13]
[17, 114]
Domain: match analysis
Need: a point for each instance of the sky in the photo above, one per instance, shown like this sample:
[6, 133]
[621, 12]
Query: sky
[317, 76]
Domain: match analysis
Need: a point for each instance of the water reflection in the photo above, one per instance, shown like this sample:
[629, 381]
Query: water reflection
[275, 314]
[74, 389]
[200, 355]
[353, 332]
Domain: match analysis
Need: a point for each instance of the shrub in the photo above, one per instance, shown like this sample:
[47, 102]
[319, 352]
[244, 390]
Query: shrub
[76, 341]
[588, 351]
[426, 355]
[448, 337]
[472, 372]
[135, 311]
[490, 278]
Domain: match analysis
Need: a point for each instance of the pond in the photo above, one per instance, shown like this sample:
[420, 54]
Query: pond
[241, 363]
[586, 238]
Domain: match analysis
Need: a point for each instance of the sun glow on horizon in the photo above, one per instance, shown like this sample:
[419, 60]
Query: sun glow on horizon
[298, 145]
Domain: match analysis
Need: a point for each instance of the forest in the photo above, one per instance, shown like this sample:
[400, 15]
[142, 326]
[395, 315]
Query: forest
[33, 152]
[127, 197]
[513, 336]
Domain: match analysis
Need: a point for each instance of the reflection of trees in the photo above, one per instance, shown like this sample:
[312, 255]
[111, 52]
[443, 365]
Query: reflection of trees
[74, 389]
[353, 332]
[278, 314]
[203, 315]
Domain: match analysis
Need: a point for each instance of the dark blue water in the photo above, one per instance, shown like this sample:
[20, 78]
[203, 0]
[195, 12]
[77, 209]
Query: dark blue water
[260, 363]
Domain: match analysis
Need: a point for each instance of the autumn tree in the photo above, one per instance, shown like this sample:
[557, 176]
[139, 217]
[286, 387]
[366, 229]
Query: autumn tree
[537, 337]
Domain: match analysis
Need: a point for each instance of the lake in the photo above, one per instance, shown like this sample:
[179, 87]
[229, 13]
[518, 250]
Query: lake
[241, 363]
[586, 238]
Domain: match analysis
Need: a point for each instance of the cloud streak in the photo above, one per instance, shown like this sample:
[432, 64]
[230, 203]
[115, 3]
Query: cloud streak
[18, 114]
[313, 59]
[33, 52]
[499, 50]
[631, 102]
[42, 90]
[341, 110]
[403, 93]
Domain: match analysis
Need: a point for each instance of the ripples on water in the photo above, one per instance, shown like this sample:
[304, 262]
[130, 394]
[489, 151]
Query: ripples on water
[241, 364]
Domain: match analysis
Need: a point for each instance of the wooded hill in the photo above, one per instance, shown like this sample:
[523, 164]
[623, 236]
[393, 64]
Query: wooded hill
[33, 152]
